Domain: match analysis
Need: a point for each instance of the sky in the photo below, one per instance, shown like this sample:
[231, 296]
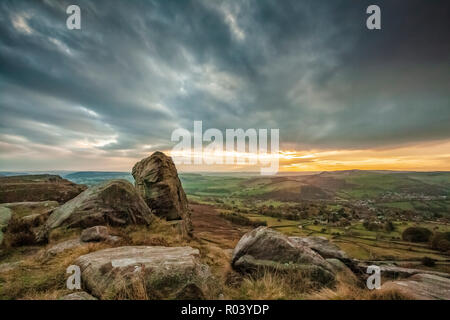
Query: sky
[110, 94]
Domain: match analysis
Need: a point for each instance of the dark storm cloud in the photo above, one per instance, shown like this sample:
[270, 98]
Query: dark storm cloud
[139, 69]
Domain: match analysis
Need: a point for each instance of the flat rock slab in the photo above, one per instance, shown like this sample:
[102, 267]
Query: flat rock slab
[422, 287]
[163, 272]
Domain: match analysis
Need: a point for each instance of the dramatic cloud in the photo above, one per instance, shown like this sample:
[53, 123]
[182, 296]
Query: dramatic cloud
[110, 93]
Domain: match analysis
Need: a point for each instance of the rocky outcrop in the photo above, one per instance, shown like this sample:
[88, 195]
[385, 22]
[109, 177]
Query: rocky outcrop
[97, 234]
[79, 295]
[114, 202]
[421, 287]
[38, 188]
[158, 272]
[264, 248]
[322, 246]
[156, 179]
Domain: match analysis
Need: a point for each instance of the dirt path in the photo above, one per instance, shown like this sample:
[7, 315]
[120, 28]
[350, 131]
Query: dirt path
[210, 226]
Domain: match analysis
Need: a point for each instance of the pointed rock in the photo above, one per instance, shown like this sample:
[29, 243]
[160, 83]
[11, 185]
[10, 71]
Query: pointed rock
[157, 182]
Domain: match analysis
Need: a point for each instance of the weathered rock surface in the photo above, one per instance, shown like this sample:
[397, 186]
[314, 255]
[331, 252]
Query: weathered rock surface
[38, 188]
[114, 202]
[267, 248]
[79, 295]
[96, 234]
[322, 246]
[156, 179]
[165, 272]
[422, 287]
[63, 246]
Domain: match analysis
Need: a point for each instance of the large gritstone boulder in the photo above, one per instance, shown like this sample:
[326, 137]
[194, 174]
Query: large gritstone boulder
[264, 248]
[38, 188]
[323, 247]
[158, 183]
[114, 202]
[142, 272]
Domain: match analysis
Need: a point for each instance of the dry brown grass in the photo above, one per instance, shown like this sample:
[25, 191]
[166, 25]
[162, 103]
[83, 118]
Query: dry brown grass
[345, 290]
[38, 278]
[269, 285]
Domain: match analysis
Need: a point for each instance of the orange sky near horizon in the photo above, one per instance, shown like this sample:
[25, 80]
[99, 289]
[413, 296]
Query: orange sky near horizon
[427, 156]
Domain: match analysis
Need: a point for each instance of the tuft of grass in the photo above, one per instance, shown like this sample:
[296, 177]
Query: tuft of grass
[36, 278]
[349, 290]
[269, 285]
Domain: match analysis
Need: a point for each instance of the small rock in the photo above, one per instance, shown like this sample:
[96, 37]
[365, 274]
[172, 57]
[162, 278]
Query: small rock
[95, 234]
[64, 246]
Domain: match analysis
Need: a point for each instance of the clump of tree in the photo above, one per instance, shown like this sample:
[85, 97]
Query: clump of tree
[416, 234]
[441, 241]
[389, 226]
[242, 220]
[428, 262]
[371, 226]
